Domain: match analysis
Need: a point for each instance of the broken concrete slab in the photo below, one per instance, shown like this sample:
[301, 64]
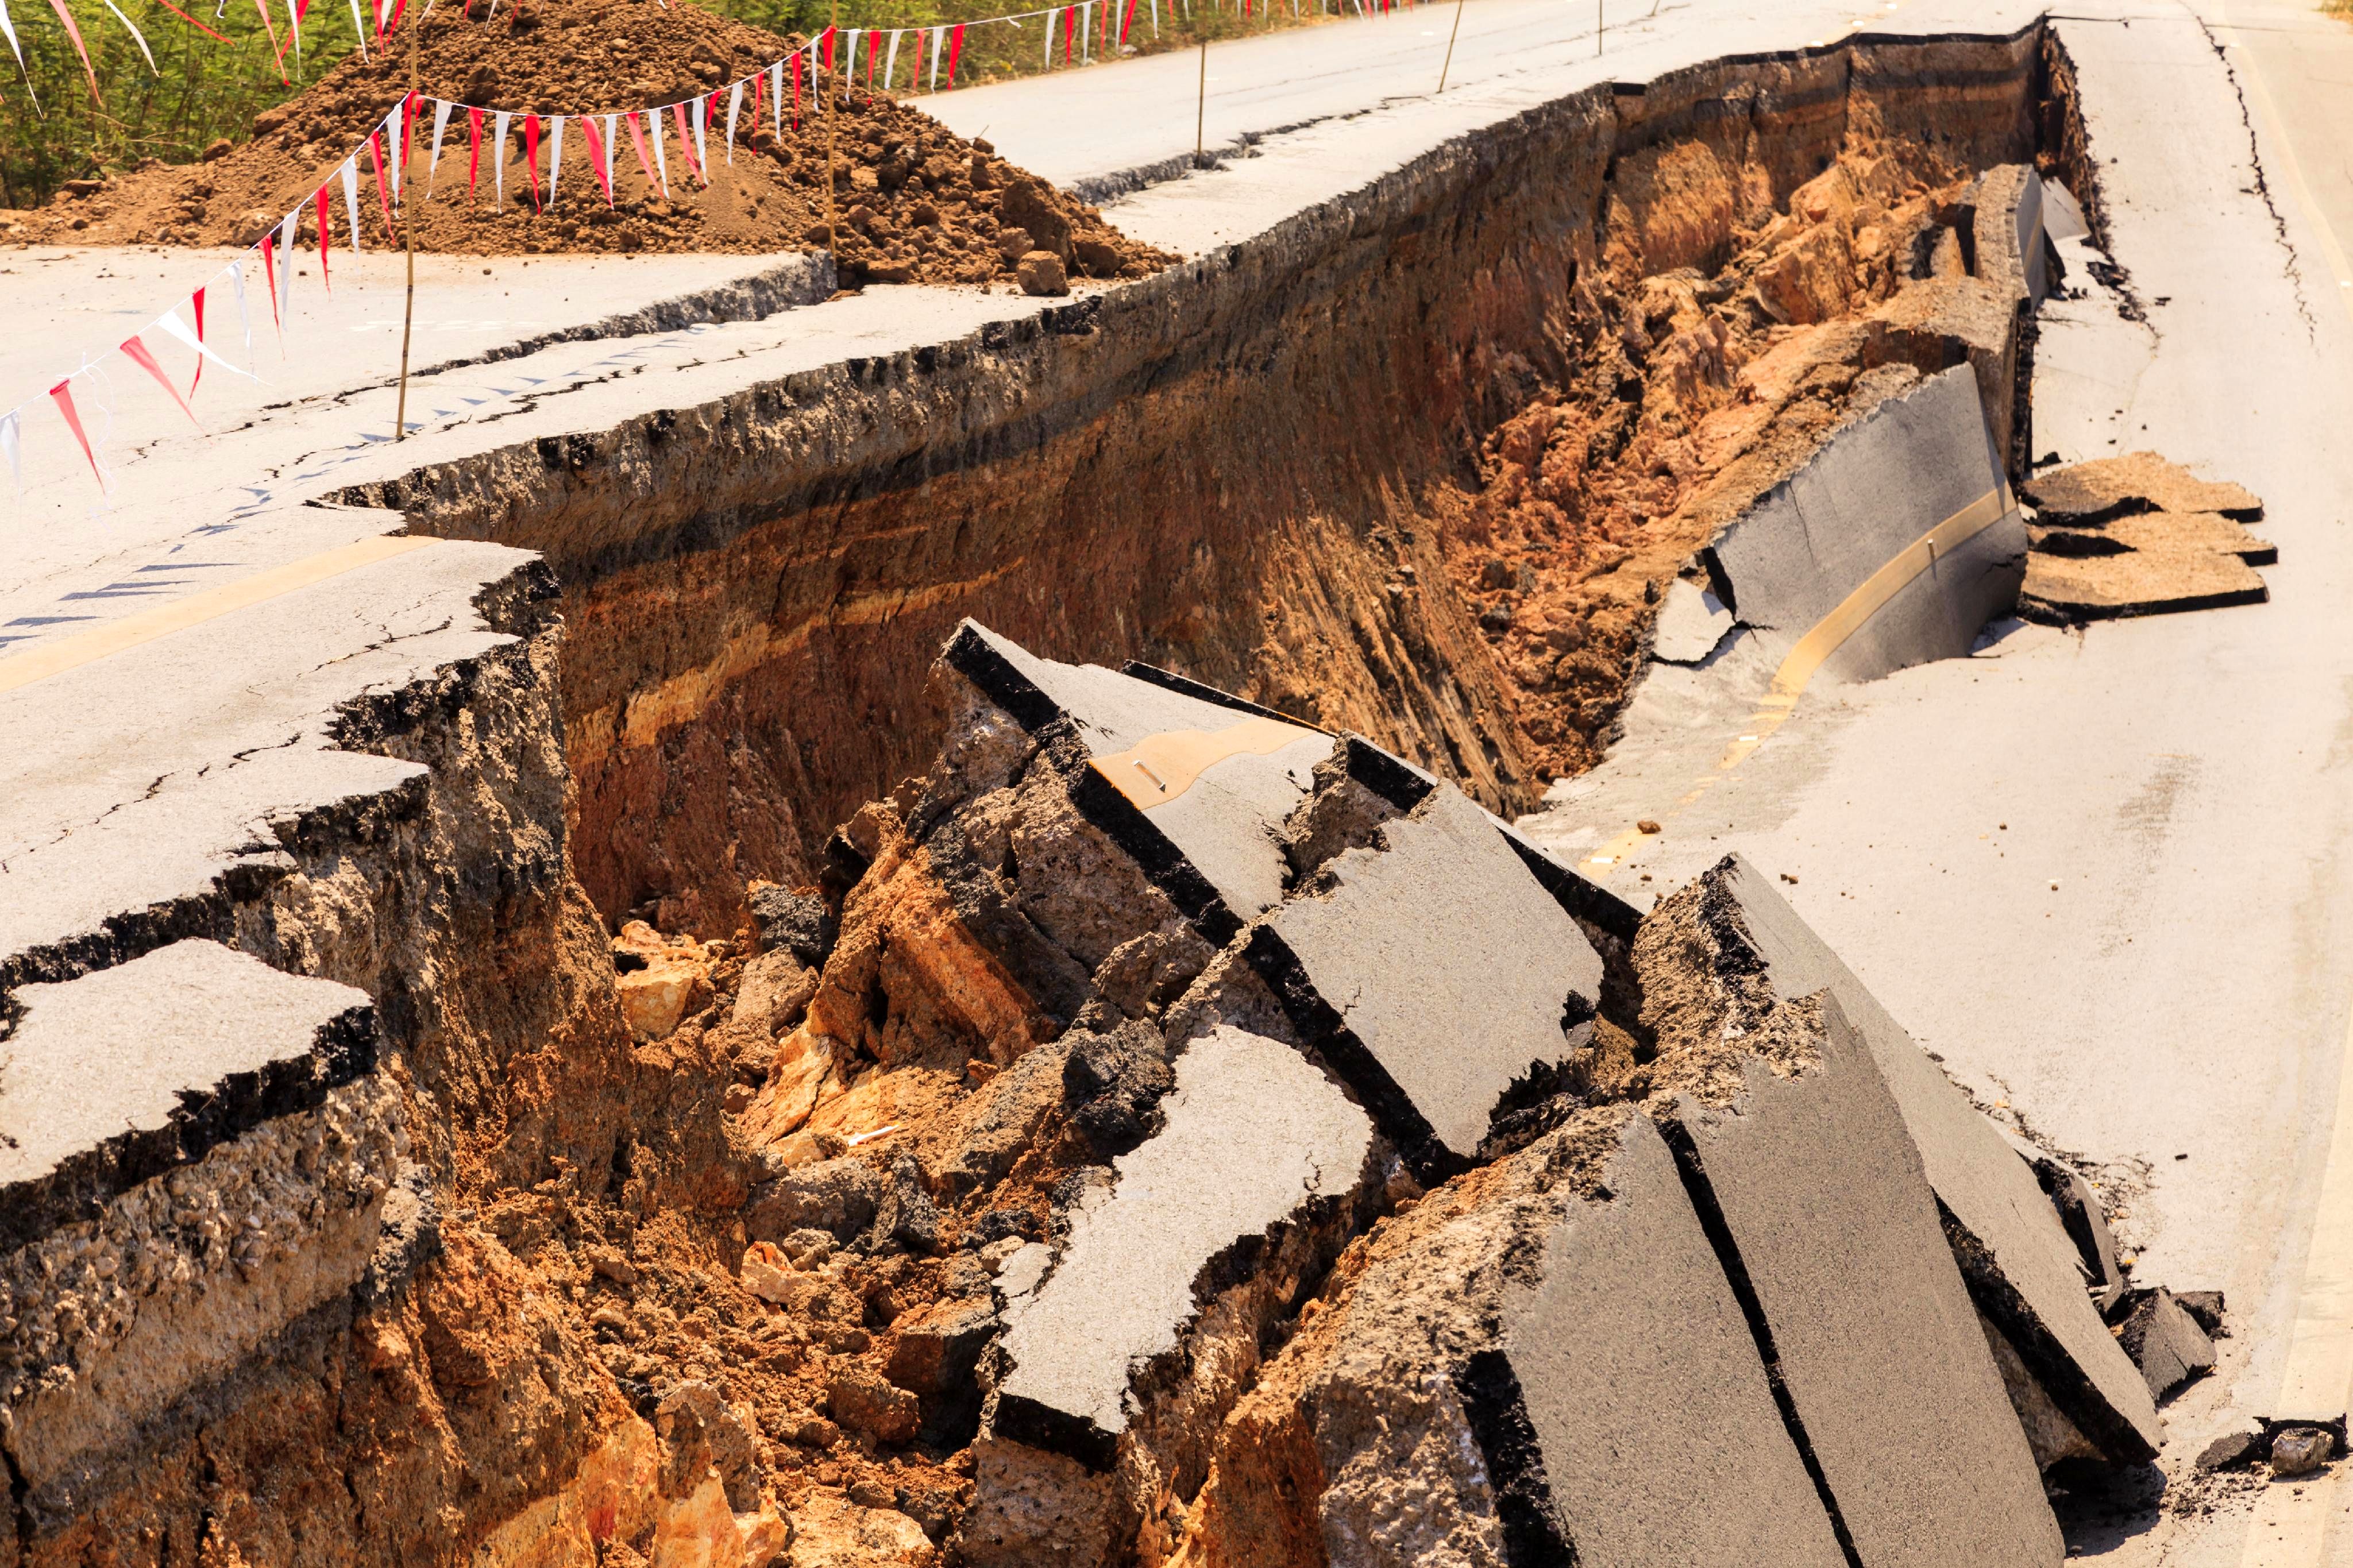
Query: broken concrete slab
[1692, 623]
[1809, 1182]
[191, 1074]
[1630, 1345]
[2163, 1341]
[1432, 973]
[2085, 494]
[2020, 1266]
[2086, 1225]
[129, 1072]
[1596, 1399]
[2159, 580]
[1190, 787]
[1254, 1138]
[2008, 231]
[1891, 546]
[2063, 215]
[2155, 531]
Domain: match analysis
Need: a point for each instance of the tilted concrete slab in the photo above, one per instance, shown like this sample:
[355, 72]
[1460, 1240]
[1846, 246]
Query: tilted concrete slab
[1254, 1138]
[126, 1073]
[1823, 1214]
[1190, 786]
[1432, 973]
[1894, 545]
[2020, 1265]
[1636, 1373]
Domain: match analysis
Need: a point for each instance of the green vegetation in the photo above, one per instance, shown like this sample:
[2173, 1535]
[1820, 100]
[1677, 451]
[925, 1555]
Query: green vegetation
[204, 90]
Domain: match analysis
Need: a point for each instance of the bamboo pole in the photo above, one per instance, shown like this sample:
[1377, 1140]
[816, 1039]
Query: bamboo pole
[1201, 114]
[408, 232]
[1449, 46]
[832, 112]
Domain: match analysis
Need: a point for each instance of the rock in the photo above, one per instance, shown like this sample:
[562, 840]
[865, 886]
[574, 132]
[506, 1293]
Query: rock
[862, 1400]
[868, 1492]
[1041, 273]
[1646, 826]
[1111, 1083]
[269, 120]
[1027, 206]
[773, 994]
[837, 1196]
[831, 1531]
[2206, 1306]
[2230, 1451]
[768, 1274]
[701, 1432]
[1015, 243]
[608, 1265]
[935, 1350]
[663, 980]
[796, 921]
[2163, 1341]
[2300, 1450]
[908, 1217]
[1096, 258]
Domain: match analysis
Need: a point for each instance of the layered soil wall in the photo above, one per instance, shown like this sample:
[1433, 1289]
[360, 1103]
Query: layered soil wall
[1225, 469]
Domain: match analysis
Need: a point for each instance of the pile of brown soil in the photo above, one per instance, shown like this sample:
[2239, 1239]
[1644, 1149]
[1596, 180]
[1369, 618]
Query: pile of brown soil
[1696, 391]
[917, 203]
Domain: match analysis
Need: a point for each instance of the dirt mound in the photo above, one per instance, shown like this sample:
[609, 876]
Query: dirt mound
[917, 203]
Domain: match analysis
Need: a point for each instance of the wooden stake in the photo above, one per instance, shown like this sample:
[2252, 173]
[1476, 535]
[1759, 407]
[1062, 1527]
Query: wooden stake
[1597, 27]
[1201, 115]
[409, 231]
[1449, 46]
[832, 234]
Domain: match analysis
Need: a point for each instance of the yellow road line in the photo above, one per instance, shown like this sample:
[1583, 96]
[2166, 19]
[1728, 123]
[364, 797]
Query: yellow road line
[1825, 638]
[1159, 768]
[2340, 266]
[2317, 1374]
[162, 620]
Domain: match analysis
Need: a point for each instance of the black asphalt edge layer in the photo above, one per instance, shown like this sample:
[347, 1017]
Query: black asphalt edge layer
[80, 1187]
[1056, 1431]
[2051, 612]
[1585, 901]
[2057, 1185]
[969, 654]
[1718, 1231]
[1320, 1024]
[1185, 686]
[1534, 1536]
[1390, 777]
[2046, 1361]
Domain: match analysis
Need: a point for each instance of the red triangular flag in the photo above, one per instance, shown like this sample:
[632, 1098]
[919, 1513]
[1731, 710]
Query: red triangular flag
[271, 28]
[75, 33]
[873, 50]
[531, 155]
[383, 199]
[638, 135]
[955, 47]
[191, 21]
[138, 353]
[796, 101]
[825, 48]
[1125, 17]
[686, 142]
[473, 149]
[326, 230]
[269, 274]
[197, 299]
[64, 400]
[1069, 33]
[597, 155]
[410, 106]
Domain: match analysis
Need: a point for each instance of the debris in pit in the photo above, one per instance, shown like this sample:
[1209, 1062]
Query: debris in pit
[919, 204]
[2230, 1451]
[662, 979]
[2137, 535]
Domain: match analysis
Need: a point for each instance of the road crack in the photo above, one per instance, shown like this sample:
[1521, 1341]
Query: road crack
[2263, 188]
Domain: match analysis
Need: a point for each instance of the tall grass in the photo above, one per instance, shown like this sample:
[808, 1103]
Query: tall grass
[202, 89]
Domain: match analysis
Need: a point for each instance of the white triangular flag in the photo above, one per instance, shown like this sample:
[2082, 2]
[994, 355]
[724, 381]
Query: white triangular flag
[350, 174]
[9, 30]
[294, 26]
[612, 125]
[360, 27]
[1050, 41]
[169, 322]
[555, 154]
[702, 148]
[499, 162]
[392, 123]
[286, 271]
[137, 36]
[244, 317]
[12, 449]
[441, 123]
[1086, 32]
[849, 62]
[939, 37]
[891, 60]
[661, 164]
[777, 99]
[734, 103]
